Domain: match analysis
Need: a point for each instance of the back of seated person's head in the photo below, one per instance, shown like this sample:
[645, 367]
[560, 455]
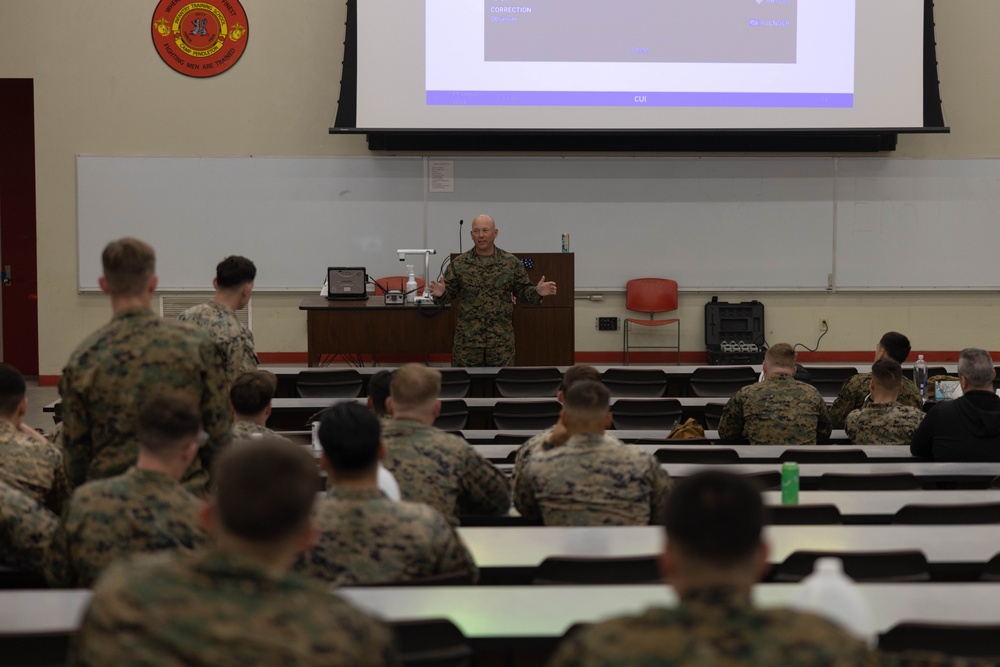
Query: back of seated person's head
[234, 272]
[976, 366]
[12, 390]
[378, 391]
[128, 264]
[781, 355]
[578, 373]
[251, 392]
[586, 405]
[168, 423]
[264, 491]
[714, 521]
[414, 388]
[896, 346]
[350, 437]
[887, 374]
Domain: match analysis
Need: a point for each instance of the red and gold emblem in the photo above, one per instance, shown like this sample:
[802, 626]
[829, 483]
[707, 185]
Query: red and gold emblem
[200, 39]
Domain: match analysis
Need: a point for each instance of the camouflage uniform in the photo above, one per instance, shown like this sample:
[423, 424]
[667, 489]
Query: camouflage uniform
[139, 511]
[365, 538]
[244, 430]
[235, 341]
[484, 329]
[778, 411]
[443, 471]
[856, 389]
[883, 424]
[114, 371]
[26, 529]
[718, 627]
[534, 445]
[592, 480]
[33, 466]
[216, 609]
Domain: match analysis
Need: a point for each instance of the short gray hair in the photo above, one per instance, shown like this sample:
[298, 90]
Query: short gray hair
[976, 366]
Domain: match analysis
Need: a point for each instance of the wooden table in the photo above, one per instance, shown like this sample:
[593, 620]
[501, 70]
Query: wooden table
[747, 453]
[871, 506]
[41, 611]
[546, 612]
[373, 328]
[533, 612]
[527, 546]
[678, 377]
[288, 412]
[941, 470]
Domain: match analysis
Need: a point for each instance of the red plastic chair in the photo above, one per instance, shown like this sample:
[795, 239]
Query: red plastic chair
[651, 295]
[396, 283]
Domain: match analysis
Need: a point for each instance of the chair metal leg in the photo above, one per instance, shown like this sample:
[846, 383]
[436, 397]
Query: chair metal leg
[678, 342]
[625, 344]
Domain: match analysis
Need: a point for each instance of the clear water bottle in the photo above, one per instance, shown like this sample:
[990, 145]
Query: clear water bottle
[920, 376]
[830, 593]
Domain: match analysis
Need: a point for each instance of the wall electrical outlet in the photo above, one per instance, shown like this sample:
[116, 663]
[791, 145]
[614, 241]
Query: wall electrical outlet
[607, 324]
[824, 324]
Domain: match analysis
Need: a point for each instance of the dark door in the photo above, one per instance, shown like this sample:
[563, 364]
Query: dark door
[17, 225]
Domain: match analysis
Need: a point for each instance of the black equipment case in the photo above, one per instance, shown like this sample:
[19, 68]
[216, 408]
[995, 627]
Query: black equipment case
[734, 332]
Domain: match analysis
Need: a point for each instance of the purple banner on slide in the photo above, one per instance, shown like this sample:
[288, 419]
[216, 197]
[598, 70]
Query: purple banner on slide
[638, 99]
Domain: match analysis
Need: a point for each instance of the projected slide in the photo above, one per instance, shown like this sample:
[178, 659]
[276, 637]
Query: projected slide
[705, 31]
[656, 53]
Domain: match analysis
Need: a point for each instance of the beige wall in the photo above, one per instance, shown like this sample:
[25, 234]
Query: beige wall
[101, 89]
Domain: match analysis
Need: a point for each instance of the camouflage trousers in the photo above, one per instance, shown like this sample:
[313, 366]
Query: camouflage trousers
[464, 355]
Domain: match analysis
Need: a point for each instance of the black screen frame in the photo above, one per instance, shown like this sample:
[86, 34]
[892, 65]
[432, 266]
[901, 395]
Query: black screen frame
[657, 140]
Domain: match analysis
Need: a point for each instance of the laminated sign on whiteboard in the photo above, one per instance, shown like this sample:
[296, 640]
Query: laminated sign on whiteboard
[442, 175]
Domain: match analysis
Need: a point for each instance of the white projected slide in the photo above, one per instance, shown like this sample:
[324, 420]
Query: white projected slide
[640, 64]
[733, 53]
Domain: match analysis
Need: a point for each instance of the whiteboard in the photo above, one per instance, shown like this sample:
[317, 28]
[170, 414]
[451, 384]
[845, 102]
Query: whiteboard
[293, 216]
[711, 223]
[918, 224]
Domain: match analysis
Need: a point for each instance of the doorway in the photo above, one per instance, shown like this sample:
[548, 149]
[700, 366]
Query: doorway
[18, 239]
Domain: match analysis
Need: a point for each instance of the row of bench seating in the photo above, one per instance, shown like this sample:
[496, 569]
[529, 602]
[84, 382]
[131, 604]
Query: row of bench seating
[721, 381]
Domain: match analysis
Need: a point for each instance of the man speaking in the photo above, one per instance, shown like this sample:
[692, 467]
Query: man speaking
[485, 279]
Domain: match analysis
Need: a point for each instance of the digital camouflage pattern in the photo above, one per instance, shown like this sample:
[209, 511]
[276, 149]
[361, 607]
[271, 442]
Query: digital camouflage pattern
[215, 609]
[592, 480]
[235, 341]
[883, 424]
[114, 371]
[532, 446]
[484, 328]
[778, 411]
[33, 466]
[715, 627]
[442, 470]
[244, 430]
[857, 388]
[536, 443]
[140, 511]
[365, 538]
[26, 528]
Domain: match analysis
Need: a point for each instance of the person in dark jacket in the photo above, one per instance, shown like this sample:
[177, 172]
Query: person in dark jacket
[967, 428]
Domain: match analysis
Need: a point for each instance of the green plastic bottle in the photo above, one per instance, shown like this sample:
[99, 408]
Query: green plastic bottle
[790, 483]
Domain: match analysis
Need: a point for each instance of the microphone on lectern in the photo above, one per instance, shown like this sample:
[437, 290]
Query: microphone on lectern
[460, 223]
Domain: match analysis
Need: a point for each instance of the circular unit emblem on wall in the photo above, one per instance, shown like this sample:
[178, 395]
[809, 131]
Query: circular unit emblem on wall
[200, 38]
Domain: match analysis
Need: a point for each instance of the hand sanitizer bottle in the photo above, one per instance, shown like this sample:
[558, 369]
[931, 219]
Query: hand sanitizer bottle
[411, 285]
